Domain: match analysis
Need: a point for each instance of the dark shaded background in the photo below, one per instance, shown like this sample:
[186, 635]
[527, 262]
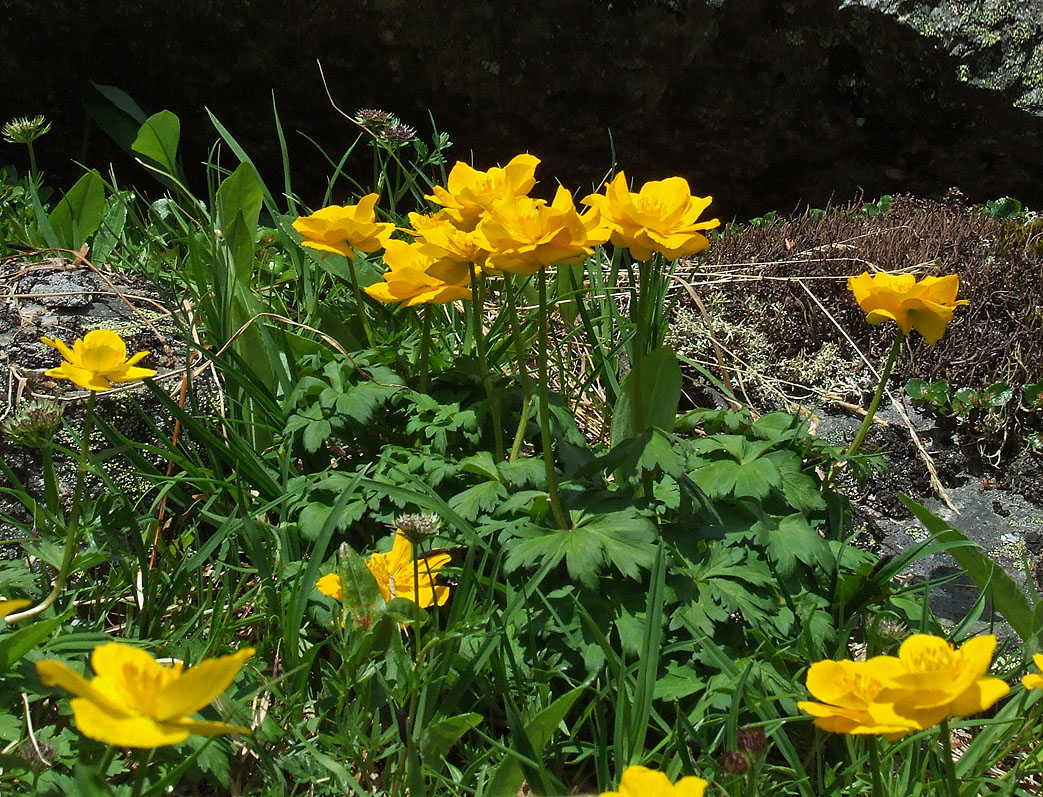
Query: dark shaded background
[765, 105]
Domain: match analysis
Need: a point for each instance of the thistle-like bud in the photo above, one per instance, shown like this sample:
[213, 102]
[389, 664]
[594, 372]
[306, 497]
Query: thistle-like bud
[733, 763]
[751, 740]
[33, 424]
[24, 130]
[398, 135]
[418, 528]
[890, 631]
[373, 120]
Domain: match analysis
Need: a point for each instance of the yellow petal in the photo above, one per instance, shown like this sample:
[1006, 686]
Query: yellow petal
[979, 697]
[123, 731]
[11, 606]
[207, 728]
[131, 374]
[331, 586]
[1032, 681]
[199, 685]
[54, 673]
[54, 343]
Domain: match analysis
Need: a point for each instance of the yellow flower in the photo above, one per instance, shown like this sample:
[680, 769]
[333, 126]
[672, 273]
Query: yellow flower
[11, 606]
[411, 280]
[848, 690]
[926, 306]
[394, 575]
[938, 681]
[453, 249]
[1034, 680]
[341, 229]
[644, 782]
[661, 217]
[134, 701]
[469, 192]
[523, 234]
[97, 360]
[330, 585]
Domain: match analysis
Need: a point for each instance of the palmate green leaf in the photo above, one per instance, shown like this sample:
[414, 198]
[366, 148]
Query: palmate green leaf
[725, 581]
[794, 540]
[482, 497]
[624, 539]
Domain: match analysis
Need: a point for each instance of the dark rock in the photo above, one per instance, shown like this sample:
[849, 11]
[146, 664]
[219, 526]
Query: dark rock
[762, 104]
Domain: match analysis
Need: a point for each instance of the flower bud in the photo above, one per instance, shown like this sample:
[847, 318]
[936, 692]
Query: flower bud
[733, 763]
[751, 740]
[418, 528]
[33, 424]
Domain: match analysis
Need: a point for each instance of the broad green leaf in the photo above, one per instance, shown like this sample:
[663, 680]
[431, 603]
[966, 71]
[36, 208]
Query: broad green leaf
[116, 113]
[158, 139]
[481, 464]
[755, 479]
[650, 398]
[442, 734]
[111, 228]
[240, 195]
[795, 540]
[482, 497]
[507, 779]
[80, 212]
[1008, 598]
[17, 643]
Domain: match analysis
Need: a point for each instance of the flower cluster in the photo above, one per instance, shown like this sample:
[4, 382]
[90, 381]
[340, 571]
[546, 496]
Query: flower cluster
[396, 575]
[893, 696]
[487, 222]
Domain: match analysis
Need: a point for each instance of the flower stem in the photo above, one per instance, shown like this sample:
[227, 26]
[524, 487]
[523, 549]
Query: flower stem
[477, 310]
[885, 373]
[72, 524]
[143, 759]
[425, 348]
[523, 371]
[874, 766]
[360, 306]
[544, 407]
[948, 766]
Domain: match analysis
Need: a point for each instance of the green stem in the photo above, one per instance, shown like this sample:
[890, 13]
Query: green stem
[32, 164]
[523, 423]
[948, 766]
[50, 481]
[425, 348]
[143, 759]
[72, 525]
[544, 395]
[523, 371]
[477, 309]
[360, 306]
[892, 356]
[874, 766]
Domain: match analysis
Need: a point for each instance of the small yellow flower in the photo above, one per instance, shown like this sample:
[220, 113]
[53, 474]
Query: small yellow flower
[523, 234]
[848, 690]
[341, 229]
[11, 606]
[134, 701]
[661, 217]
[1034, 680]
[469, 192]
[394, 575]
[331, 586]
[97, 360]
[644, 782]
[411, 280]
[926, 306]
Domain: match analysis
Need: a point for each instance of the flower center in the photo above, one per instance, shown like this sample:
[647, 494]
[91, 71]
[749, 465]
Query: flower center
[143, 684]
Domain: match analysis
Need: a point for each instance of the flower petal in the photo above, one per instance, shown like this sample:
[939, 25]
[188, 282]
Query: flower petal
[199, 685]
[54, 673]
[123, 731]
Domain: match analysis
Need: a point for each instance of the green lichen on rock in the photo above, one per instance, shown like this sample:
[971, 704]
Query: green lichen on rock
[997, 45]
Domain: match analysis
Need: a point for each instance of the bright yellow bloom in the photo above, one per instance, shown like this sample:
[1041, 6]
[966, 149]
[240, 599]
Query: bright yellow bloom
[330, 585]
[453, 248]
[939, 681]
[926, 306]
[644, 782]
[341, 229]
[11, 606]
[661, 217]
[523, 234]
[469, 192]
[134, 701]
[97, 360]
[411, 280]
[848, 690]
[1034, 680]
[394, 575]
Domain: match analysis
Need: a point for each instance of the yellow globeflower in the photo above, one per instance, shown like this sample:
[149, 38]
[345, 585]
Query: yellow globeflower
[412, 280]
[644, 782]
[394, 575]
[926, 306]
[453, 248]
[1034, 680]
[848, 691]
[11, 606]
[937, 681]
[97, 360]
[523, 234]
[341, 229]
[134, 701]
[661, 217]
[469, 192]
